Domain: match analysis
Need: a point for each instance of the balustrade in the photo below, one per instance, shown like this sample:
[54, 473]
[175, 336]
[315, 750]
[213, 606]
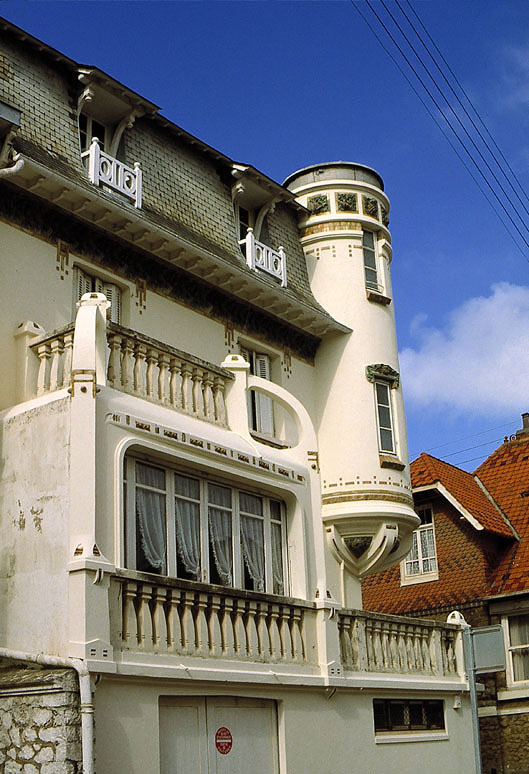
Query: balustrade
[260, 256]
[106, 170]
[175, 619]
[370, 642]
[141, 366]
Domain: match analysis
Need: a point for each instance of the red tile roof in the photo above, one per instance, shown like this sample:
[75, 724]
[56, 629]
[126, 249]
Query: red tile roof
[464, 488]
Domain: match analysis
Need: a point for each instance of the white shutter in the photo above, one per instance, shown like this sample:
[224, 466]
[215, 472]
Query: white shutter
[83, 284]
[264, 407]
[113, 294]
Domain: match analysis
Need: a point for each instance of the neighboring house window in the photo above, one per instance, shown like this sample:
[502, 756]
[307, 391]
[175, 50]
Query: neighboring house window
[90, 128]
[87, 283]
[260, 407]
[422, 558]
[519, 646]
[370, 261]
[408, 714]
[384, 417]
[188, 527]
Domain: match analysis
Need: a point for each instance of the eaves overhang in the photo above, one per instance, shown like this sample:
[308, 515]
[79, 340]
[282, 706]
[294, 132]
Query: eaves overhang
[464, 512]
[105, 211]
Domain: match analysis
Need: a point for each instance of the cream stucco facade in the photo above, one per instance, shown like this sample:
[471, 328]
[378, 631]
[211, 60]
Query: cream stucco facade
[203, 449]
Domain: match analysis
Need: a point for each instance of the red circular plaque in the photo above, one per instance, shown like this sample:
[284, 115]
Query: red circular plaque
[223, 740]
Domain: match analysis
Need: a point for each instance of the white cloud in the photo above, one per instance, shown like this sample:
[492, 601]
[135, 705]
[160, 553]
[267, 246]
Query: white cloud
[479, 362]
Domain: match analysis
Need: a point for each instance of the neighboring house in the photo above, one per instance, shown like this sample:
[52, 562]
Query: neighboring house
[202, 452]
[471, 553]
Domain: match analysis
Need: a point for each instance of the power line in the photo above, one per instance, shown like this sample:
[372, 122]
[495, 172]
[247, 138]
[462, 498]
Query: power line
[439, 108]
[439, 125]
[469, 448]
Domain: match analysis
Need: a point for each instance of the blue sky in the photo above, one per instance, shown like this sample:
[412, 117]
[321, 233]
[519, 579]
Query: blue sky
[282, 85]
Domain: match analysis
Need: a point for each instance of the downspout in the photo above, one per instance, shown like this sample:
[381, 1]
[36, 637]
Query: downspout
[17, 167]
[85, 692]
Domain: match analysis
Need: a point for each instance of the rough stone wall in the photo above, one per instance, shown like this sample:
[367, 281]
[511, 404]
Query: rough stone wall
[505, 744]
[40, 722]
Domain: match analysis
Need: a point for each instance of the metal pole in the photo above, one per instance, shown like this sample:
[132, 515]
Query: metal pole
[468, 647]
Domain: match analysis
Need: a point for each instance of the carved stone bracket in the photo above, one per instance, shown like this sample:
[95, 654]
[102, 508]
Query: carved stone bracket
[382, 371]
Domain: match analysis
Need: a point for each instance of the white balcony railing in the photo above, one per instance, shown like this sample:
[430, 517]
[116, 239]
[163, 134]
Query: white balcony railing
[372, 642]
[261, 257]
[106, 170]
[184, 619]
[139, 365]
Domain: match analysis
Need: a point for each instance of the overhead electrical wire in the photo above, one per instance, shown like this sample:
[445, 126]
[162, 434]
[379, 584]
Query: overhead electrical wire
[446, 119]
[473, 435]
[458, 138]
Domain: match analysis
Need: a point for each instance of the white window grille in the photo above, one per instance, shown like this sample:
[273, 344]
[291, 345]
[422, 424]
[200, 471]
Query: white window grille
[422, 558]
[518, 627]
[87, 283]
[384, 417]
[185, 526]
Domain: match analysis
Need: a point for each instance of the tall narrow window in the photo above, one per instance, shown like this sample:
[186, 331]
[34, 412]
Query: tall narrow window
[422, 558]
[370, 260]
[384, 415]
[86, 283]
[90, 128]
[519, 646]
[260, 407]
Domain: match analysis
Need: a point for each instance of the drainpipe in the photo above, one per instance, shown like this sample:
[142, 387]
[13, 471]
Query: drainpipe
[17, 167]
[85, 691]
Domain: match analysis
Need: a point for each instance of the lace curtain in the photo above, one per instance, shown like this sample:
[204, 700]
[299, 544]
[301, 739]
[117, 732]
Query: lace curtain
[519, 635]
[252, 542]
[277, 559]
[150, 515]
[220, 531]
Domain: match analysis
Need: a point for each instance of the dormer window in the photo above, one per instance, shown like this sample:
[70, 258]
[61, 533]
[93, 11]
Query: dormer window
[90, 128]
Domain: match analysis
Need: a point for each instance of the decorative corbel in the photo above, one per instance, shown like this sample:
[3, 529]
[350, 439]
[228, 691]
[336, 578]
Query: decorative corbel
[87, 95]
[237, 191]
[266, 209]
[127, 122]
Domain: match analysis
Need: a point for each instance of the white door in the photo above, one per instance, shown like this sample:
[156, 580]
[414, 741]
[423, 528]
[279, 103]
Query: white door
[218, 735]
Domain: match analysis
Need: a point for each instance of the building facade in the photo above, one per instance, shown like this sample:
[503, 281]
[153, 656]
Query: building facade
[470, 552]
[203, 451]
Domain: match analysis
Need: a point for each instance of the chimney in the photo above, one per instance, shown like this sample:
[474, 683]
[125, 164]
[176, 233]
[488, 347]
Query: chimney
[525, 426]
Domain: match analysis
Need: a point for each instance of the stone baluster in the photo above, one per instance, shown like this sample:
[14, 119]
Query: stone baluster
[298, 649]
[201, 625]
[359, 645]
[284, 633]
[394, 650]
[214, 627]
[67, 359]
[273, 633]
[140, 353]
[145, 628]
[371, 661]
[152, 358]
[209, 409]
[114, 360]
[417, 648]
[174, 631]
[402, 649]
[377, 647]
[346, 650]
[227, 628]
[410, 652]
[384, 644]
[129, 628]
[198, 401]
[187, 623]
[186, 381]
[159, 622]
[44, 353]
[175, 390]
[127, 358]
[163, 372]
[262, 632]
[56, 349]
[425, 648]
[218, 400]
[252, 638]
[239, 632]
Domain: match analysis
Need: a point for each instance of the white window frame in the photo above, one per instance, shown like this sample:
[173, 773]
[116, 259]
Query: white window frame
[85, 282]
[410, 576]
[260, 407]
[512, 649]
[381, 423]
[104, 141]
[374, 285]
[171, 561]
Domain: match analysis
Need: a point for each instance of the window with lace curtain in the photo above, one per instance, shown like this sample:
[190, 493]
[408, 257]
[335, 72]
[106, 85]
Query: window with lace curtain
[421, 563]
[518, 643]
[190, 527]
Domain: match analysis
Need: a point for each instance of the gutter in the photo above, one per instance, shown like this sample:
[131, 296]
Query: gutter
[85, 692]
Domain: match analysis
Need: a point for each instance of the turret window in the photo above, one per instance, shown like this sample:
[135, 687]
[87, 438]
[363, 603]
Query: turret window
[370, 261]
[385, 419]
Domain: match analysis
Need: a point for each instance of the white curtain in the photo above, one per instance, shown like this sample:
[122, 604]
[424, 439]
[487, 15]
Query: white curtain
[150, 515]
[427, 549]
[188, 536]
[253, 550]
[277, 559]
[519, 635]
[220, 531]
